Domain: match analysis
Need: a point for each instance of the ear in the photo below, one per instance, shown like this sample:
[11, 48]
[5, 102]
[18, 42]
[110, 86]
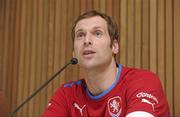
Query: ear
[115, 47]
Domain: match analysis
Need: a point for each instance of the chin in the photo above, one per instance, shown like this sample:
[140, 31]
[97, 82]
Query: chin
[91, 65]
[88, 65]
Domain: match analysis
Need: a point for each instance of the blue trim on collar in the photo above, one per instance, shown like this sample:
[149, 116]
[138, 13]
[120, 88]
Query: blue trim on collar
[79, 82]
[107, 90]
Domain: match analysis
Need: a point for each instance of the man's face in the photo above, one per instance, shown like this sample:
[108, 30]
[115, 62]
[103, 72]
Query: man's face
[92, 43]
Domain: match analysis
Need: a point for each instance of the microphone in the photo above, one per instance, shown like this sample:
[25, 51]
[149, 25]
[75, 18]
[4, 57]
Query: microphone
[73, 61]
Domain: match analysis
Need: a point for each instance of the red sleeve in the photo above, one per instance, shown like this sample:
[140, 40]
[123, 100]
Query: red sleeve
[145, 93]
[57, 106]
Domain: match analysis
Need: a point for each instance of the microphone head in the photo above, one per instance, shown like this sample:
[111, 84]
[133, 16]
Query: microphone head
[74, 61]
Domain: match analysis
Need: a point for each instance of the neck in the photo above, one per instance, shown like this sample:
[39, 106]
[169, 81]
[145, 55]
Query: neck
[101, 78]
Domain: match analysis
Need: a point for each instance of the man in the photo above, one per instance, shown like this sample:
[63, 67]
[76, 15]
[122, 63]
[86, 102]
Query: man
[108, 89]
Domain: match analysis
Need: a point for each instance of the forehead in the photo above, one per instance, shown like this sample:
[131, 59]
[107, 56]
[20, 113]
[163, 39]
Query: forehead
[92, 22]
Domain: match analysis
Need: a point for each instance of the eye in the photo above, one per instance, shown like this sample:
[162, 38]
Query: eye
[80, 35]
[98, 34]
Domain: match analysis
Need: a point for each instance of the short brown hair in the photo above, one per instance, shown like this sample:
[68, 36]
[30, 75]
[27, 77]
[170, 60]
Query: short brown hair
[112, 26]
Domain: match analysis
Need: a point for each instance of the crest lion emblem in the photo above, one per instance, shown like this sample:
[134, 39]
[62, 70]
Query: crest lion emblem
[115, 106]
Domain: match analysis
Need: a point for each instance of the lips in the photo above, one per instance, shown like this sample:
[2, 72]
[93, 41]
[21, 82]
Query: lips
[88, 52]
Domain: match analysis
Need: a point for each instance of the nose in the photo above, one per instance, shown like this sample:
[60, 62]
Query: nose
[87, 43]
[88, 40]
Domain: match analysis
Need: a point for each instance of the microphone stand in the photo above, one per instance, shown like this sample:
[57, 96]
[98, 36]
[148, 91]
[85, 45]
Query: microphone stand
[72, 61]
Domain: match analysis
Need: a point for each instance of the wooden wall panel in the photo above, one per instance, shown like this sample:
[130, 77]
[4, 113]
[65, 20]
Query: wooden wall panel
[130, 33]
[168, 81]
[176, 57]
[123, 32]
[161, 40]
[2, 5]
[44, 53]
[145, 34]
[137, 34]
[153, 36]
[16, 53]
[35, 42]
[21, 79]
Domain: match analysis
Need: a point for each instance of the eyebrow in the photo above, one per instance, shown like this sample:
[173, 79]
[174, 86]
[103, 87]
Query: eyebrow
[96, 27]
[79, 30]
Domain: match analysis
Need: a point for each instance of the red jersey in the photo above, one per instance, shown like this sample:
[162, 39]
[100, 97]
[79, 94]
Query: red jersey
[133, 90]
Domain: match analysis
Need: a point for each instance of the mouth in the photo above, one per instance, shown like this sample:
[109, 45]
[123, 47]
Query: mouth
[88, 52]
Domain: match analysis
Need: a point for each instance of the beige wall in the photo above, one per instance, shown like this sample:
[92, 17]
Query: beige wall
[35, 42]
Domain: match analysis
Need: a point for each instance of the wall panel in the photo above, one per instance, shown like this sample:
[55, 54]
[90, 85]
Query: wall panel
[35, 42]
[145, 33]
[123, 32]
[176, 55]
[137, 33]
[169, 50]
[130, 33]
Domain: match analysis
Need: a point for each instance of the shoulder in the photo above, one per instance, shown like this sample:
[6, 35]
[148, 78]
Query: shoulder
[66, 92]
[63, 98]
[135, 75]
[144, 92]
[70, 87]
[139, 80]
[73, 86]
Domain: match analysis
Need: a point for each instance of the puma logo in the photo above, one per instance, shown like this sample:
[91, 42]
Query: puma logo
[148, 102]
[79, 108]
